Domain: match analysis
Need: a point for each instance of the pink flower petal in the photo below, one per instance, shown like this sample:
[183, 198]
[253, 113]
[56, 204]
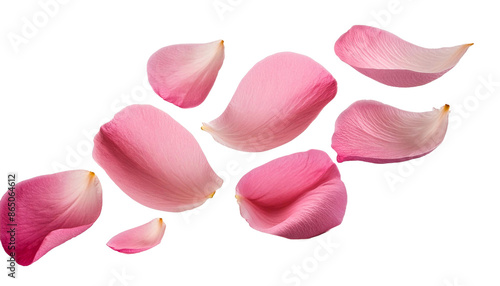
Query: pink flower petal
[155, 160]
[296, 196]
[49, 210]
[375, 132]
[393, 61]
[274, 103]
[140, 238]
[184, 74]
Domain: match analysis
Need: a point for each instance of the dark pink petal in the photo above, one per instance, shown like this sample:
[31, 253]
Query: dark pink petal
[50, 210]
[393, 61]
[274, 103]
[140, 238]
[375, 132]
[155, 160]
[296, 196]
[184, 74]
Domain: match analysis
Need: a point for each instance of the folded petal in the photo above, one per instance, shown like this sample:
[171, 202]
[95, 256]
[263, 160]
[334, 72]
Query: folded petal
[155, 160]
[374, 132]
[49, 210]
[274, 103]
[393, 61]
[184, 74]
[140, 238]
[297, 196]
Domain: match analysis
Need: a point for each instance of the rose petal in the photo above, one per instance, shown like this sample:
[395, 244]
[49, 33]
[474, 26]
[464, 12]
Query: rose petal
[378, 133]
[140, 238]
[296, 196]
[274, 103]
[155, 160]
[49, 210]
[393, 61]
[184, 74]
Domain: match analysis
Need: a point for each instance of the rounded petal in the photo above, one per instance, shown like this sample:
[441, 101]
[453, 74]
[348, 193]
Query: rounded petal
[140, 238]
[184, 74]
[155, 160]
[49, 210]
[374, 132]
[297, 196]
[393, 61]
[274, 103]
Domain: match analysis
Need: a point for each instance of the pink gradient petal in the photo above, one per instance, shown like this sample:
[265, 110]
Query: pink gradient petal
[184, 74]
[374, 132]
[393, 61]
[274, 103]
[140, 238]
[297, 196]
[155, 160]
[50, 210]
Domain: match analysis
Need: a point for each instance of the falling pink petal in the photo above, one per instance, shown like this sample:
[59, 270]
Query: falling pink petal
[296, 196]
[155, 160]
[49, 210]
[140, 238]
[184, 74]
[378, 133]
[393, 61]
[274, 103]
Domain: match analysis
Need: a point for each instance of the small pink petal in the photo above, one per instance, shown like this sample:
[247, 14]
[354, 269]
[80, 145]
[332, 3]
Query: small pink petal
[49, 210]
[274, 103]
[297, 196]
[374, 132]
[140, 238]
[184, 74]
[155, 160]
[393, 61]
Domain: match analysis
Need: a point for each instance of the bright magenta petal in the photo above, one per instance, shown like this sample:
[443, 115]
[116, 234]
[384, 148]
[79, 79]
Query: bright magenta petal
[274, 103]
[140, 238]
[184, 74]
[50, 210]
[375, 132]
[155, 160]
[393, 61]
[296, 196]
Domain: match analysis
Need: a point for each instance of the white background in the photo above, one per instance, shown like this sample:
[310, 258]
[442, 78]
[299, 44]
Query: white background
[433, 221]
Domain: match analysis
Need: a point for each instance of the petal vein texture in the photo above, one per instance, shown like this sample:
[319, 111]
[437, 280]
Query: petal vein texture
[374, 132]
[297, 196]
[393, 61]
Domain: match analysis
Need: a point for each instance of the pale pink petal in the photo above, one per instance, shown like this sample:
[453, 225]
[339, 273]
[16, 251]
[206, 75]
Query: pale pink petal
[140, 238]
[155, 160]
[393, 61]
[274, 103]
[375, 132]
[49, 210]
[296, 196]
[184, 74]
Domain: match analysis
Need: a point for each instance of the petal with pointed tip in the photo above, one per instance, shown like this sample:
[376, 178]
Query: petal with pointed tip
[154, 160]
[49, 210]
[140, 238]
[297, 196]
[274, 103]
[393, 61]
[184, 74]
[378, 133]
